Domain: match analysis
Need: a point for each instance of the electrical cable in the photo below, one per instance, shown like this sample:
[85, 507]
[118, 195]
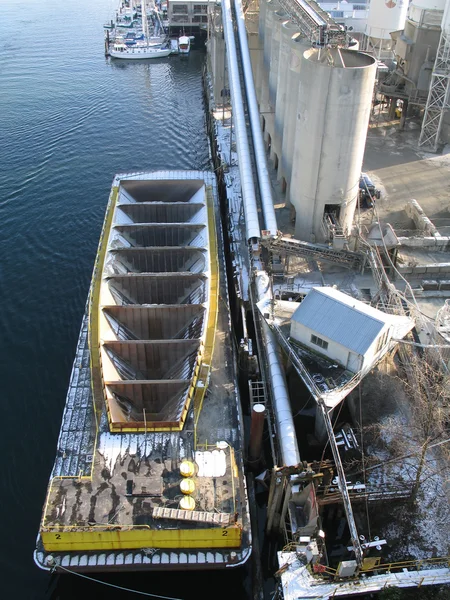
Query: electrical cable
[303, 407]
[118, 587]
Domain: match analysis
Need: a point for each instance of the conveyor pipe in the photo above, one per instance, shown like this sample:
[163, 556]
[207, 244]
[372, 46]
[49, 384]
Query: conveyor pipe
[265, 189]
[282, 407]
[242, 144]
[280, 397]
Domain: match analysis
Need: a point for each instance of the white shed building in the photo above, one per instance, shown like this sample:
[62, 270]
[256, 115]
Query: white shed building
[344, 329]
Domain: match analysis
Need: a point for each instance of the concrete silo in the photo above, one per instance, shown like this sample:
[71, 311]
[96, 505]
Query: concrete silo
[288, 29]
[279, 18]
[258, 68]
[385, 16]
[297, 46]
[333, 109]
[270, 9]
[272, 6]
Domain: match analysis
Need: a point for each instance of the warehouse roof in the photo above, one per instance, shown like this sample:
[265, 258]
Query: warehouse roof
[341, 318]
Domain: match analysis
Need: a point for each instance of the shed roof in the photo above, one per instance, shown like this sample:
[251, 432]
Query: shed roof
[341, 318]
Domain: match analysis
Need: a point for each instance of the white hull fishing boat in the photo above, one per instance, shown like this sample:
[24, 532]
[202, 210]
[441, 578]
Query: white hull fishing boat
[184, 44]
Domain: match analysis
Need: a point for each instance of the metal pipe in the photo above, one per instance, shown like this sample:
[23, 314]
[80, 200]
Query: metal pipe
[265, 189]
[256, 432]
[242, 144]
[280, 399]
[282, 408]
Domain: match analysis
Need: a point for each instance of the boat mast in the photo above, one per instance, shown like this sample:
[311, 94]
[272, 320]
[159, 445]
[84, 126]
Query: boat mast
[144, 20]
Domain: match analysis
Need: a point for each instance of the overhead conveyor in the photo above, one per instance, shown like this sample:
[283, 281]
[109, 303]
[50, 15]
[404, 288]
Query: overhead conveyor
[315, 23]
[292, 246]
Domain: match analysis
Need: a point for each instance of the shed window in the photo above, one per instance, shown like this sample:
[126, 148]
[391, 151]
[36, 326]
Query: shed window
[319, 342]
[382, 341]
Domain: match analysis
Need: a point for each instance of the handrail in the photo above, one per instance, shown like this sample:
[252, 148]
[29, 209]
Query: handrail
[201, 383]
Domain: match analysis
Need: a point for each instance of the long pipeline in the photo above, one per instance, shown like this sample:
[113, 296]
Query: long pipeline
[280, 394]
[287, 437]
[242, 144]
[265, 189]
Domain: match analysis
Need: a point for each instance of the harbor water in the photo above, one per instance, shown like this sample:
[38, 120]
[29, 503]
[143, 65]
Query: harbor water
[69, 120]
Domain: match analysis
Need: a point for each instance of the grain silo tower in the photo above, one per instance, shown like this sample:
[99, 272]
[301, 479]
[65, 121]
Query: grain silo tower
[333, 109]
[385, 16]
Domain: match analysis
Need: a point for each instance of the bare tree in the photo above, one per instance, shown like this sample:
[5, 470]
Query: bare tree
[416, 433]
[429, 393]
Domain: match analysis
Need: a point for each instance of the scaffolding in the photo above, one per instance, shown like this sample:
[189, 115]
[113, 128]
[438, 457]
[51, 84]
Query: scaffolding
[438, 96]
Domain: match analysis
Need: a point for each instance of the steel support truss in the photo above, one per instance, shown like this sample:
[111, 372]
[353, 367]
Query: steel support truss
[438, 97]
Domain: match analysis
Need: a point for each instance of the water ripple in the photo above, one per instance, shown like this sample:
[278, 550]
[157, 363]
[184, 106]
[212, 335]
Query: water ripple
[70, 119]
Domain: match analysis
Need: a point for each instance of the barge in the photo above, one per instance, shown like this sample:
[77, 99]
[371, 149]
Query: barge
[149, 467]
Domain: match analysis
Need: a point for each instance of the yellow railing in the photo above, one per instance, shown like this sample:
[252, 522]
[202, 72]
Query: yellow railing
[413, 565]
[98, 394]
[208, 347]
[199, 382]
[373, 565]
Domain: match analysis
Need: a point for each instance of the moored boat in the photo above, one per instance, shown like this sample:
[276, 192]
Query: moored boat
[184, 44]
[149, 469]
[157, 46]
[138, 52]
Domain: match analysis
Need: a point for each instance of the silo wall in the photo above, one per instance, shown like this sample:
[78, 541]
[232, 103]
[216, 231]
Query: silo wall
[297, 46]
[334, 103]
[287, 31]
[263, 99]
[279, 18]
[258, 68]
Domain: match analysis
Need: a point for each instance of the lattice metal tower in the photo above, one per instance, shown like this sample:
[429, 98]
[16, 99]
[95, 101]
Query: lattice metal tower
[439, 94]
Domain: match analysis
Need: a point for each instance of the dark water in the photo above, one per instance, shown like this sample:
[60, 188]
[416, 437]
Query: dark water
[69, 120]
